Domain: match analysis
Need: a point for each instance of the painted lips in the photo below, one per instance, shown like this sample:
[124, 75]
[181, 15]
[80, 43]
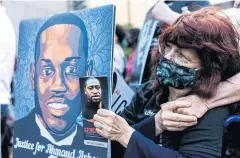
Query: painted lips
[58, 109]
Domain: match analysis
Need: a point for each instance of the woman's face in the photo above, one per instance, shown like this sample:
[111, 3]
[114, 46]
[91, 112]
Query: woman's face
[182, 56]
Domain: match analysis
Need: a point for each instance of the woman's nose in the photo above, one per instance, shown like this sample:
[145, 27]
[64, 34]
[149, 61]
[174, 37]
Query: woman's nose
[169, 55]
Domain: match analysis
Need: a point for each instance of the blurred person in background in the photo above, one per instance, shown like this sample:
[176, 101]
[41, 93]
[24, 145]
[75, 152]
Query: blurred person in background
[237, 4]
[168, 13]
[119, 59]
[131, 41]
[7, 57]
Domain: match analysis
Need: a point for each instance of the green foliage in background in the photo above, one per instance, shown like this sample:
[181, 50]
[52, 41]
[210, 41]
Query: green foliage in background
[127, 51]
[127, 26]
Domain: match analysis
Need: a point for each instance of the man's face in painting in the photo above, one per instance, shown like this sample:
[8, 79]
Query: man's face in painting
[57, 76]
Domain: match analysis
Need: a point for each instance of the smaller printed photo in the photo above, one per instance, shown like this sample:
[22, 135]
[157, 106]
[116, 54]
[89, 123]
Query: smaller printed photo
[94, 96]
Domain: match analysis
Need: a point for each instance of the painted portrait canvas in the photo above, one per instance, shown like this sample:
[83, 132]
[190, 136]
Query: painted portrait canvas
[53, 53]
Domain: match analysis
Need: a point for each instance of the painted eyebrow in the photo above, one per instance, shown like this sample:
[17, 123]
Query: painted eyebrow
[71, 58]
[46, 60]
[67, 59]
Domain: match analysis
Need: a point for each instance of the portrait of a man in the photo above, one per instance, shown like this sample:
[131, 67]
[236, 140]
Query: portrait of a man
[54, 53]
[94, 96]
[93, 92]
[61, 54]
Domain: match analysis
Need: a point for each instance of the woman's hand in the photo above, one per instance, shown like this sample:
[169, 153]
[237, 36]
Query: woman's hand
[167, 119]
[198, 106]
[113, 127]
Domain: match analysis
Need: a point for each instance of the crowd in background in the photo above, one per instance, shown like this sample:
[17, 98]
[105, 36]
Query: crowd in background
[125, 49]
[125, 46]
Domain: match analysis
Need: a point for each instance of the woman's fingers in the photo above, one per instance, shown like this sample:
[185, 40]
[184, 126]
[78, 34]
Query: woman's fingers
[168, 119]
[108, 120]
[172, 124]
[106, 131]
[175, 129]
[181, 111]
[99, 118]
[168, 115]
[100, 132]
[192, 111]
[172, 105]
[105, 113]
[110, 125]
[98, 125]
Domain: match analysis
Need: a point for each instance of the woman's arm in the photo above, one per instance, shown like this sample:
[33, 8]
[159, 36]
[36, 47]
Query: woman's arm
[114, 127]
[141, 147]
[162, 12]
[202, 140]
[227, 93]
[148, 129]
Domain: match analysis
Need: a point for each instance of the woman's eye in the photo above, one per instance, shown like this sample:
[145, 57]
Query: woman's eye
[70, 70]
[182, 58]
[47, 71]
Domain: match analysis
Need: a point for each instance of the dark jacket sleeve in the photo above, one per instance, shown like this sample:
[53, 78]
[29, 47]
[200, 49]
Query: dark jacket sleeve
[148, 124]
[141, 147]
[142, 143]
[201, 141]
[133, 113]
[118, 150]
